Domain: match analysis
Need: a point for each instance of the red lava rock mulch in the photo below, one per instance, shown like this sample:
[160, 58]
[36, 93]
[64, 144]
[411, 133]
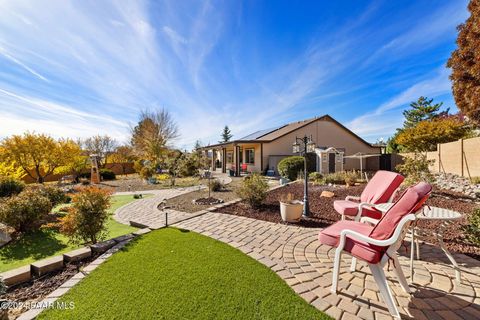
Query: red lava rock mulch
[323, 213]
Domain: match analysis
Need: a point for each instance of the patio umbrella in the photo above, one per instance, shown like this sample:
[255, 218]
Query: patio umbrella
[361, 156]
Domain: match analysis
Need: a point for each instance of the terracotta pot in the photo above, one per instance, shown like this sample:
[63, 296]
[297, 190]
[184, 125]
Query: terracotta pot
[291, 211]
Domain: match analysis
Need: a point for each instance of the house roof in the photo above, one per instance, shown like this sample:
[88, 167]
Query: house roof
[268, 135]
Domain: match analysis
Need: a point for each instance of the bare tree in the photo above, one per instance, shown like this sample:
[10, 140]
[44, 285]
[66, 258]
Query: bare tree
[100, 145]
[153, 134]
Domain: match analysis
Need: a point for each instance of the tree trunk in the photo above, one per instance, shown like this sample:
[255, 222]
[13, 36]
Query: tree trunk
[40, 178]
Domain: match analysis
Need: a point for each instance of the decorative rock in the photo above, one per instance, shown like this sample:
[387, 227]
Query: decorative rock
[101, 247]
[16, 276]
[123, 238]
[42, 267]
[4, 235]
[142, 231]
[327, 194]
[458, 184]
[77, 255]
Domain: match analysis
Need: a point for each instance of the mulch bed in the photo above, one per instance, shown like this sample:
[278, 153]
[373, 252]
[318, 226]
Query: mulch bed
[323, 213]
[37, 289]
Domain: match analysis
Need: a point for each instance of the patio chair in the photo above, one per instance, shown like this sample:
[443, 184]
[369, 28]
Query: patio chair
[380, 189]
[377, 243]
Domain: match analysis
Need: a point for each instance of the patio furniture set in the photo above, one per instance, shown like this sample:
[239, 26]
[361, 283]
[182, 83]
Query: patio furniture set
[373, 227]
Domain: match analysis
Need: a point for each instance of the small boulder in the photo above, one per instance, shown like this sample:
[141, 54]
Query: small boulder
[327, 194]
[4, 235]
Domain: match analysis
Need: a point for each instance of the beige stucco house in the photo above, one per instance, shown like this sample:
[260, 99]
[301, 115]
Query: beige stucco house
[262, 150]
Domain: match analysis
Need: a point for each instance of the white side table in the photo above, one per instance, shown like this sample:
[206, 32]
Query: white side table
[435, 214]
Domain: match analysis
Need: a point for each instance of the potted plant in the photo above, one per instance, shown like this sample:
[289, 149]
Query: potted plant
[291, 210]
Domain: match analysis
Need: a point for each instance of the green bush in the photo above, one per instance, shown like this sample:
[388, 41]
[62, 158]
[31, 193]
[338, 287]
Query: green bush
[472, 229]
[216, 185]
[315, 176]
[189, 165]
[107, 174]
[10, 186]
[54, 194]
[88, 217]
[415, 168]
[350, 177]
[21, 212]
[254, 190]
[290, 167]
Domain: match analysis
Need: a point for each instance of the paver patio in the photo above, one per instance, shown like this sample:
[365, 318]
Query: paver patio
[295, 254]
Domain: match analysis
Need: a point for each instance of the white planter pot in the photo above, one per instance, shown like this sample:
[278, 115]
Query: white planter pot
[291, 211]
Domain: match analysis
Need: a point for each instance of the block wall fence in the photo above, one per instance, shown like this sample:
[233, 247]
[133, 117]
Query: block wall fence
[461, 157]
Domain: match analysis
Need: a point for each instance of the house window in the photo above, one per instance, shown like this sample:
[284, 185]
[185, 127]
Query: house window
[230, 157]
[250, 156]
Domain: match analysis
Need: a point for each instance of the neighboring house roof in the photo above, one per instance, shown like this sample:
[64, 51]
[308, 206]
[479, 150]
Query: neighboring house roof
[274, 133]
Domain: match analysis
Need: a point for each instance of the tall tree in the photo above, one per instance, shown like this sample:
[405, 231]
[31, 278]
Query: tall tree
[465, 64]
[100, 145]
[39, 155]
[226, 135]
[153, 134]
[427, 134]
[421, 110]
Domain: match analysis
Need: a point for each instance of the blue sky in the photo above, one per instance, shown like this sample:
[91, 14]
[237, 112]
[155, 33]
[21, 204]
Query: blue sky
[79, 68]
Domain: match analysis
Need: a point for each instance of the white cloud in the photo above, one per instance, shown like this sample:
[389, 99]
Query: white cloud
[388, 116]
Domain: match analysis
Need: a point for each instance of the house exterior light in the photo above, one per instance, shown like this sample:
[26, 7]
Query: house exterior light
[304, 146]
[296, 147]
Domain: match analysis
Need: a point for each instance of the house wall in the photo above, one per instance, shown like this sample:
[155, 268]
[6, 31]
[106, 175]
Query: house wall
[325, 133]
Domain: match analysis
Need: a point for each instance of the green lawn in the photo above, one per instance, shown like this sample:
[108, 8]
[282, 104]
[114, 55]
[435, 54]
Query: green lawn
[177, 274]
[42, 244]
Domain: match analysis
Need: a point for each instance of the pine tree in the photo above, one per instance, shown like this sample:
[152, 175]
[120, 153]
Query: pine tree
[422, 110]
[226, 135]
[465, 64]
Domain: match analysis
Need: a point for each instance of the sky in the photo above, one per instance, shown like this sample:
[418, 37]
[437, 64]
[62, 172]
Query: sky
[81, 68]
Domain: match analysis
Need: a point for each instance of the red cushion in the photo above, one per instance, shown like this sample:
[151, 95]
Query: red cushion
[381, 187]
[331, 235]
[410, 201]
[350, 208]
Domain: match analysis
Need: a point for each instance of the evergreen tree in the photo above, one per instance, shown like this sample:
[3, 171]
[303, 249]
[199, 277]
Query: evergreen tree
[226, 135]
[465, 64]
[422, 110]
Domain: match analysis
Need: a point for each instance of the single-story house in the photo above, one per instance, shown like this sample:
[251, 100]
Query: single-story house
[262, 150]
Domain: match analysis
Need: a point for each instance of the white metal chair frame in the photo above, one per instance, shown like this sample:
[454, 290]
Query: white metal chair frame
[362, 205]
[393, 243]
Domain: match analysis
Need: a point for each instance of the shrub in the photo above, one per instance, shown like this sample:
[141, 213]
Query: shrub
[147, 172]
[107, 174]
[416, 169]
[350, 177]
[315, 176]
[472, 229]
[163, 177]
[21, 212]
[216, 185]
[86, 221]
[475, 180]
[10, 186]
[54, 194]
[189, 166]
[289, 167]
[254, 190]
